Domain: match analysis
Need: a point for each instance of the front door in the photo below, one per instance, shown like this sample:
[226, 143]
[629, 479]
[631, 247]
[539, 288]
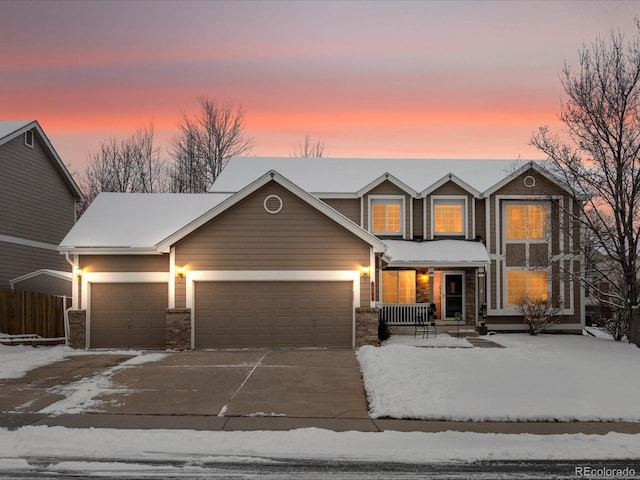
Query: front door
[453, 295]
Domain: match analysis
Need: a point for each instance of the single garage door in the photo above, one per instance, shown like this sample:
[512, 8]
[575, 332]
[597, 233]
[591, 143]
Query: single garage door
[273, 314]
[128, 315]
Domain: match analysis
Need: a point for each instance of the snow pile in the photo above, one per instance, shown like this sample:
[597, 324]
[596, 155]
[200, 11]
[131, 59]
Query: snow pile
[308, 443]
[542, 378]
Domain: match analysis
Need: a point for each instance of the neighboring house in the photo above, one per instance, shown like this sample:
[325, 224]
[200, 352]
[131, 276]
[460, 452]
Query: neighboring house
[38, 198]
[301, 252]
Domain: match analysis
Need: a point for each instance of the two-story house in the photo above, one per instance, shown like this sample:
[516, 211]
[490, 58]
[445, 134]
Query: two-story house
[305, 252]
[37, 208]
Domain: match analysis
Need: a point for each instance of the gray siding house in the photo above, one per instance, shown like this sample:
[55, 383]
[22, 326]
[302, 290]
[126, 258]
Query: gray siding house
[37, 209]
[308, 252]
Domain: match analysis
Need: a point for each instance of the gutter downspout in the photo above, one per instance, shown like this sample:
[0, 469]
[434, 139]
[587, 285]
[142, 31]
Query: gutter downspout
[66, 310]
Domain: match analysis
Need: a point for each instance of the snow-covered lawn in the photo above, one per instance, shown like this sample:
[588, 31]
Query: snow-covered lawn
[546, 377]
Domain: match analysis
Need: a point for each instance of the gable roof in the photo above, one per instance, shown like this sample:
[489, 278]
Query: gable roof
[134, 222]
[345, 177]
[378, 245]
[10, 129]
[149, 223]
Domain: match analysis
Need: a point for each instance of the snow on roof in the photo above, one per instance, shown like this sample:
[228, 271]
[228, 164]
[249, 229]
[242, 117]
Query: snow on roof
[348, 175]
[7, 127]
[436, 253]
[136, 220]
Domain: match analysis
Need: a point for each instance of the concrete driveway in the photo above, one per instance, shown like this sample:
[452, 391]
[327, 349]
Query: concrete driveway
[322, 383]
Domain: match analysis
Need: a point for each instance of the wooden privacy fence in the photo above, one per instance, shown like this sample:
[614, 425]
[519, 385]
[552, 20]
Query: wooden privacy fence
[24, 313]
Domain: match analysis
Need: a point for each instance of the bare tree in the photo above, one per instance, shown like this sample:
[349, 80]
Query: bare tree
[129, 165]
[309, 148]
[204, 143]
[599, 155]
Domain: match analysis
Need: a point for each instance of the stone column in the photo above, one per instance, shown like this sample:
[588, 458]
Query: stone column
[78, 329]
[179, 329]
[367, 326]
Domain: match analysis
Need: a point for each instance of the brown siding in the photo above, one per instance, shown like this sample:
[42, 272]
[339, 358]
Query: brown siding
[418, 218]
[349, 207]
[246, 237]
[480, 218]
[515, 254]
[125, 263]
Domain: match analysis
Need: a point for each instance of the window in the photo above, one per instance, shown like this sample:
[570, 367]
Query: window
[398, 286]
[28, 138]
[448, 217]
[526, 222]
[526, 285]
[386, 216]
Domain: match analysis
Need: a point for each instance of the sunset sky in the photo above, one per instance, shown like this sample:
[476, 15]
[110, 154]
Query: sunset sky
[420, 79]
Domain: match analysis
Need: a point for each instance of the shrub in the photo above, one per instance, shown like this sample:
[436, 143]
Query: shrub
[384, 331]
[539, 315]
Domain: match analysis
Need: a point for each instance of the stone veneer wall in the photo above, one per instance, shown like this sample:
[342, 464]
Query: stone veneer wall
[179, 329]
[367, 326]
[78, 329]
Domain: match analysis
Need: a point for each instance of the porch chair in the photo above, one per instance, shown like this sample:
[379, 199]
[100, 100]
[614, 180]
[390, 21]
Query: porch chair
[423, 324]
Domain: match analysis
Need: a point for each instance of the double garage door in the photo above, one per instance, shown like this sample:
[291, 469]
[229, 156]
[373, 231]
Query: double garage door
[227, 314]
[275, 314]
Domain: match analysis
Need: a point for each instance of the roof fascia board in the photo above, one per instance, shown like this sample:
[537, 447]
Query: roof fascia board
[478, 263]
[43, 271]
[450, 177]
[387, 177]
[109, 250]
[378, 246]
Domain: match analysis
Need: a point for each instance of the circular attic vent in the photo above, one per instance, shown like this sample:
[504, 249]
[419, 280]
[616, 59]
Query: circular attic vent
[273, 204]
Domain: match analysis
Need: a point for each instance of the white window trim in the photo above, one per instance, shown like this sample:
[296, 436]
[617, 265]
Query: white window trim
[392, 199]
[545, 202]
[26, 136]
[464, 199]
[514, 308]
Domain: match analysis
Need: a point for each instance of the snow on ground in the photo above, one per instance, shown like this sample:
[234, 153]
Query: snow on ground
[441, 340]
[546, 377]
[80, 396]
[308, 443]
[17, 360]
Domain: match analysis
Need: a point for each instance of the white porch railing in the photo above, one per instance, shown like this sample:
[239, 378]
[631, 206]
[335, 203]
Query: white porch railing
[403, 313]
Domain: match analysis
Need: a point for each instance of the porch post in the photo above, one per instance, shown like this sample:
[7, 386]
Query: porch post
[481, 298]
[431, 299]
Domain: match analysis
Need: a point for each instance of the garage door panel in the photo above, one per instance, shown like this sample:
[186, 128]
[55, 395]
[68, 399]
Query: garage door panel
[128, 315]
[257, 314]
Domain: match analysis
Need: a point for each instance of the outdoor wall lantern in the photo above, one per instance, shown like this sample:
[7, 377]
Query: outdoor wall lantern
[180, 271]
[365, 270]
[79, 272]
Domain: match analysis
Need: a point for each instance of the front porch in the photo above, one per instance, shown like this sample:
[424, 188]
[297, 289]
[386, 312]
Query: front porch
[442, 280]
[446, 297]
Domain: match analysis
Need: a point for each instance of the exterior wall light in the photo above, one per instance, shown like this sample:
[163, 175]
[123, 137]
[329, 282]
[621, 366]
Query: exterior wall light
[365, 270]
[79, 272]
[180, 271]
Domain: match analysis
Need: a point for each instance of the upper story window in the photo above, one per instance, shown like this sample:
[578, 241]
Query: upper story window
[386, 216]
[28, 138]
[526, 221]
[448, 216]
